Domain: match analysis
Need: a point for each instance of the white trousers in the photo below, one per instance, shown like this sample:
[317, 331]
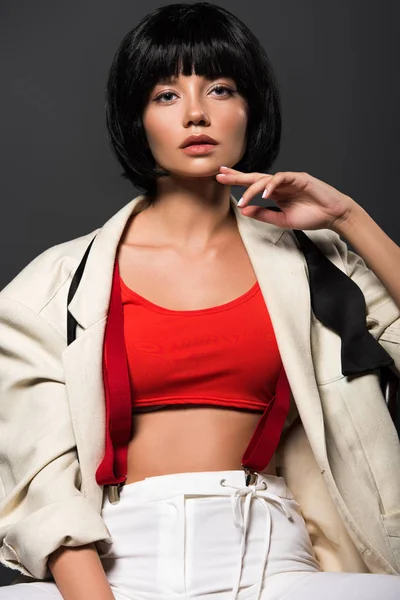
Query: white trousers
[206, 536]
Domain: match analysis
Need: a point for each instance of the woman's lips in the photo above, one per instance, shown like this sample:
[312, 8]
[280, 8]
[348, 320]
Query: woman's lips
[199, 148]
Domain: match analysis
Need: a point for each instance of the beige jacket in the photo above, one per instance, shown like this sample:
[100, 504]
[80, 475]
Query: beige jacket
[340, 454]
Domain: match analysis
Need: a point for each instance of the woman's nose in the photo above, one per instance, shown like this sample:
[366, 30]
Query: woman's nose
[196, 114]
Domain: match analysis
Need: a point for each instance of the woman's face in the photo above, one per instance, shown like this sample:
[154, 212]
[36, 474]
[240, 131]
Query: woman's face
[193, 105]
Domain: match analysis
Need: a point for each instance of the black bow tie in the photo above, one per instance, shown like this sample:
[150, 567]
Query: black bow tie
[339, 304]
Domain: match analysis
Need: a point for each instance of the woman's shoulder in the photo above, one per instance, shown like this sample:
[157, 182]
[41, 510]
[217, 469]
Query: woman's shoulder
[44, 276]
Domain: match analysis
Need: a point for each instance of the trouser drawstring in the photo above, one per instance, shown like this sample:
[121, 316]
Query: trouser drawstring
[240, 520]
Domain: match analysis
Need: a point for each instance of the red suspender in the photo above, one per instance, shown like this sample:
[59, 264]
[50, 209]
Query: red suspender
[265, 438]
[113, 468]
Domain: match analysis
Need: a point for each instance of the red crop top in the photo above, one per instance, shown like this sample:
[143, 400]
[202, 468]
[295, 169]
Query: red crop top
[225, 356]
[207, 371]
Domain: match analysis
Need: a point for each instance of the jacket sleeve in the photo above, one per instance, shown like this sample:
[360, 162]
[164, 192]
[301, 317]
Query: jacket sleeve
[383, 314]
[41, 505]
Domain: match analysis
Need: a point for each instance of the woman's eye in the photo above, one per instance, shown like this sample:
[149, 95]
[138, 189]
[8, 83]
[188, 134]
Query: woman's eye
[163, 96]
[222, 88]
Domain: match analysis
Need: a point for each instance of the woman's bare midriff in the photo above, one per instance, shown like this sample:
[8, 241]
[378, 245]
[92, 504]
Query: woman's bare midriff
[188, 439]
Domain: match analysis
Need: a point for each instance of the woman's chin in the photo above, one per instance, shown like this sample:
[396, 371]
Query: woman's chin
[198, 173]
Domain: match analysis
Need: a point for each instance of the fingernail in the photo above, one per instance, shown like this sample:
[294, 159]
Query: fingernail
[265, 193]
[240, 201]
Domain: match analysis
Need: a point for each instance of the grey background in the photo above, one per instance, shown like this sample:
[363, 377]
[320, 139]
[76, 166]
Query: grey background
[337, 68]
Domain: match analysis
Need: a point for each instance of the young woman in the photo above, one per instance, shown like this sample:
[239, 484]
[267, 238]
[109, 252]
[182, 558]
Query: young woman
[190, 312]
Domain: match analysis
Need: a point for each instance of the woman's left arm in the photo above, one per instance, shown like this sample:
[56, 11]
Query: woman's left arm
[380, 253]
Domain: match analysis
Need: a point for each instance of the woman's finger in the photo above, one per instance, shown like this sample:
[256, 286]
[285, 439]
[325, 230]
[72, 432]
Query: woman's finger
[229, 170]
[253, 190]
[238, 178]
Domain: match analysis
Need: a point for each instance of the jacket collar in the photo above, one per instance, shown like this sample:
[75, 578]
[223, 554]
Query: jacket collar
[91, 300]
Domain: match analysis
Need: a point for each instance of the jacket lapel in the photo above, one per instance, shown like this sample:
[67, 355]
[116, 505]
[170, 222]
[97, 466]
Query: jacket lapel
[282, 275]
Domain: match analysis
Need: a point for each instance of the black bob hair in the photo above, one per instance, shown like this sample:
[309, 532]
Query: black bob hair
[202, 38]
